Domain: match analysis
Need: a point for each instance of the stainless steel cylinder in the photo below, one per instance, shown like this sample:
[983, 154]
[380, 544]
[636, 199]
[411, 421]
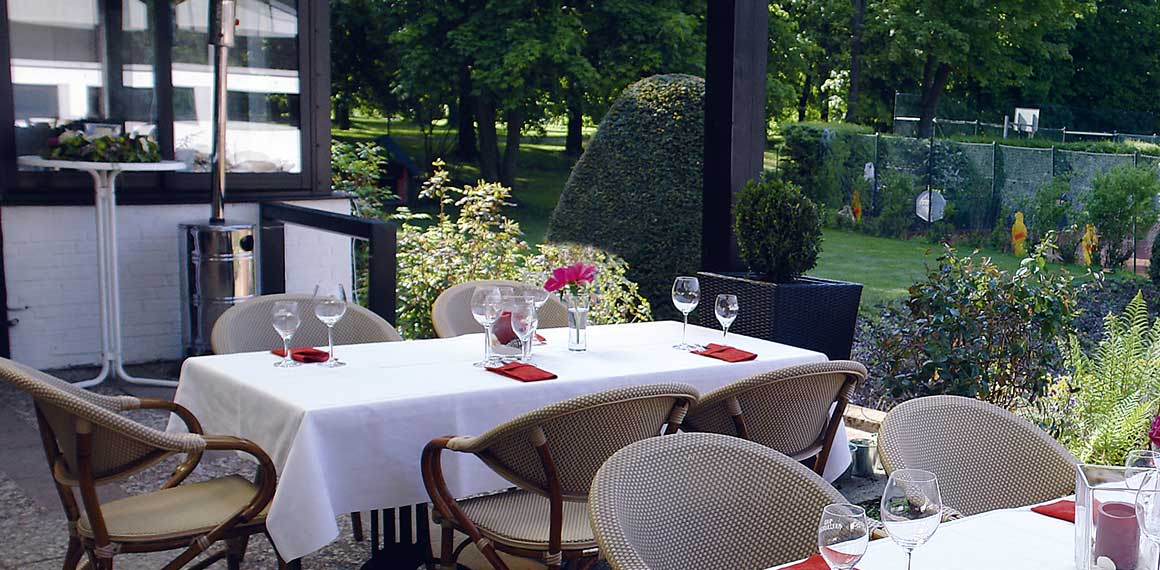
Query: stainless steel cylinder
[218, 271]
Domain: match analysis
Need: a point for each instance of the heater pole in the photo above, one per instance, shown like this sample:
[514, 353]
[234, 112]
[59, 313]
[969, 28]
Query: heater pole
[221, 37]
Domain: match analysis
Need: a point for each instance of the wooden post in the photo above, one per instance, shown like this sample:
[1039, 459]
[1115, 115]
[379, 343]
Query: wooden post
[738, 45]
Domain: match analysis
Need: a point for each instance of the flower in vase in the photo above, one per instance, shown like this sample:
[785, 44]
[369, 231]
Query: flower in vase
[571, 276]
[1154, 433]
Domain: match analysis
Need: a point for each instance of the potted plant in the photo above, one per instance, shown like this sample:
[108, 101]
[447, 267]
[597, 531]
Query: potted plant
[779, 234]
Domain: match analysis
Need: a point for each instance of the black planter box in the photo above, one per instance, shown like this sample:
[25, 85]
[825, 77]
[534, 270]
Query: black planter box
[810, 312]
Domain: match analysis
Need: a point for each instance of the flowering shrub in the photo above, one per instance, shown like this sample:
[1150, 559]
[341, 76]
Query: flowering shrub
[471, 239]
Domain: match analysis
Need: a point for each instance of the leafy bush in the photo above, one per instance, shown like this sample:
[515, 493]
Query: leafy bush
[815, 156]
[636, 190]
[779, 231]
[356, 168]
[971, 329]
[476, 241]
[1103, 408]
[896, 216]
[1122, 205]
[1053, 208]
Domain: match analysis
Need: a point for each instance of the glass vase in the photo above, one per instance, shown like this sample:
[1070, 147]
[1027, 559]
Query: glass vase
[578, 306]
[1105, 522]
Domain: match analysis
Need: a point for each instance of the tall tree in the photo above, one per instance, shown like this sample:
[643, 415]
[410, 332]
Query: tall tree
[363, 61]
[857, 19]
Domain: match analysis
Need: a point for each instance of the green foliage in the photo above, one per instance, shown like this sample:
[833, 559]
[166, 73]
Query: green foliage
[1095, 146]
[1102, 409]
[779, 231]
[470, 238]
[815, 156]
[356, 168]
[1122, 205]
[895, 218]
[636, 191]
[968, 328]
[128, 147]
[1053, 209]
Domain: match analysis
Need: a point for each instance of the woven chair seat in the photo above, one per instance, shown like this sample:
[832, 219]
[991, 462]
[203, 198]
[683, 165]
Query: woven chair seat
[187, 510]
[516, 519]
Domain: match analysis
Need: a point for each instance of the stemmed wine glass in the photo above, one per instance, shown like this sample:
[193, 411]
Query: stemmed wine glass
[686, 295]
[1148, 507]
[330, 310]
[485, 307]
[534, 282]
[1140, 462]
[285, 319]
[911, 508]
[843, 535]
[726, 309]
[525, 319]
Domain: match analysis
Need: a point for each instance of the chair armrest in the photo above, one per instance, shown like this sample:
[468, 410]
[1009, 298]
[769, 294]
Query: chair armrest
[191, 425]
[267, 478]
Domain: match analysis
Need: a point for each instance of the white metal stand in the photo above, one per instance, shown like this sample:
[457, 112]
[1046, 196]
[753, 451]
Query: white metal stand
[108, 278]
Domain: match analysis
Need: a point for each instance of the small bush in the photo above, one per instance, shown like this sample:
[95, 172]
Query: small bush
[356, 168]
[1052, 208]
[1122, 205]
[896, 215]
[779, 231]
[815, 156]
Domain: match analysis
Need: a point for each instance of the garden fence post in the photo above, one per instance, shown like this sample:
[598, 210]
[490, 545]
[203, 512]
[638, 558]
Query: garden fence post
[994, 207]
[1053, 161]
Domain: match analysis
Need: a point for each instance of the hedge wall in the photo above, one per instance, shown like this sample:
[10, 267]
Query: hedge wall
[636, 190]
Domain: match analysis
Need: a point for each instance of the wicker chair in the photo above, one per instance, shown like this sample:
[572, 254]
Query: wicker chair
[246, 327]
[451, 313]
[696, 501]
[985, 457]
[788, 410]
[551, 455]
[88, 443]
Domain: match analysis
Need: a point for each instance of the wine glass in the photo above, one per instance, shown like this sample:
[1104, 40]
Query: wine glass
[525, 319]
[485, 307]
[911, 508]
[284, 315]
[686, 295]
[1139, 462]
[330, 310]
[843, 535]
[1148, 507]
[726, 309]
[534, 287]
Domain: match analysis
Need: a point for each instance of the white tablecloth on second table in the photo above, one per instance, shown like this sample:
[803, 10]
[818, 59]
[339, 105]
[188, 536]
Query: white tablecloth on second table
[349, 439]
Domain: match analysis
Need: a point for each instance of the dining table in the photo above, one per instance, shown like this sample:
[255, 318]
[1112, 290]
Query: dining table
[349, 439]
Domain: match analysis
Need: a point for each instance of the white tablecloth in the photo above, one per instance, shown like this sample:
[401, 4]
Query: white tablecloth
[349, 439]
[1011, 539]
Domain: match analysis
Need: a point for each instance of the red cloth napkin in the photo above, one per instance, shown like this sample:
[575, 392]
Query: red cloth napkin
[304, 354]
[726, 353]
[815, 562]
[523, 372]
[1062, 509]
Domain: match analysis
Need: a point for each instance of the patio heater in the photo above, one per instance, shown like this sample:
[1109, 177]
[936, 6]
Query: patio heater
[217, 261]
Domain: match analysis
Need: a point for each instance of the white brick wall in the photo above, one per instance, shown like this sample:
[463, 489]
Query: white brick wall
[50, 266]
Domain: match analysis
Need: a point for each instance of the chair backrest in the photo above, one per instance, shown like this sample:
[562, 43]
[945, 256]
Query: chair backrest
[703, 501]
[985, 457]
[788, 409]
[580, 434]
[451, 313]
[246, 327]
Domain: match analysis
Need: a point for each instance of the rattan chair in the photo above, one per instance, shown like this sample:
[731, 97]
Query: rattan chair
[88, 443]
[795, 410]
[451, 313]
[246, 327]
[985, 457]
[705, 501]
[551, 455]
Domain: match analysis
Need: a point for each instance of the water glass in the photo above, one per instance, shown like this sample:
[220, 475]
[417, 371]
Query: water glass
[525, 319]
[843, 535]
[1148, 508]
[534, 288]
[726, 310]
[686, 296]
[485, 307]
[330, 309]
[911, 508]
[1139, 463]
[284, 315]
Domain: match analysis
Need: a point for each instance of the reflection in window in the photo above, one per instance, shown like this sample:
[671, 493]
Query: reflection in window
[263, 133]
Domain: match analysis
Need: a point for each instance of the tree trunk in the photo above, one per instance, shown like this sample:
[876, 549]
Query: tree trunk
[855, 59]
[488, 140]
[574, 142]
[341, 113]
[511, 150]
[934, 79]
[465, 143]
[804, 98]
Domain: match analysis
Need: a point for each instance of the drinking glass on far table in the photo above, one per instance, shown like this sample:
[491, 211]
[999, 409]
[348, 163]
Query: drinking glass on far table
[534, 288]
[686, 295]
[843, 535]
[485, 307]
[911, 508]
[726, 309]
[1138, 463]
[284, 317]
[330, 309]
[525, 319]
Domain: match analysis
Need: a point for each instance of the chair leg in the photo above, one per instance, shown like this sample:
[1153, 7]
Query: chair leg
[73, 555]
[236, 552]
[356, 522]
[446, 548]
[291, 565]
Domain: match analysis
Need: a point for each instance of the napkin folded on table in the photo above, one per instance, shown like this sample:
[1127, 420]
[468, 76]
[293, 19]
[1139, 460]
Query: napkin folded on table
[815, 562]
[726, 353]
[522, 372]
[1062, 509]
[304, 354]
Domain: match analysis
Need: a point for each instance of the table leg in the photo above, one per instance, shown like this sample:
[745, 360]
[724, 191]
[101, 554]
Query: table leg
[99, 190]
[412, 548]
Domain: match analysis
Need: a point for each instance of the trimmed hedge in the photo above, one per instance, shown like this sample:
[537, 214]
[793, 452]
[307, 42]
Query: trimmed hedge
[636, 190]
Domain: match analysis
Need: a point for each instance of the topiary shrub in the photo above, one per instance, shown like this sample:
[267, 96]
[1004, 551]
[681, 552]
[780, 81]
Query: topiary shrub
[636, 190]
[779, 230]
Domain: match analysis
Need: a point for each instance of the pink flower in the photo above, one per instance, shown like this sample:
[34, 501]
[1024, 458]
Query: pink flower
[1154, 433]
[570, 275]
